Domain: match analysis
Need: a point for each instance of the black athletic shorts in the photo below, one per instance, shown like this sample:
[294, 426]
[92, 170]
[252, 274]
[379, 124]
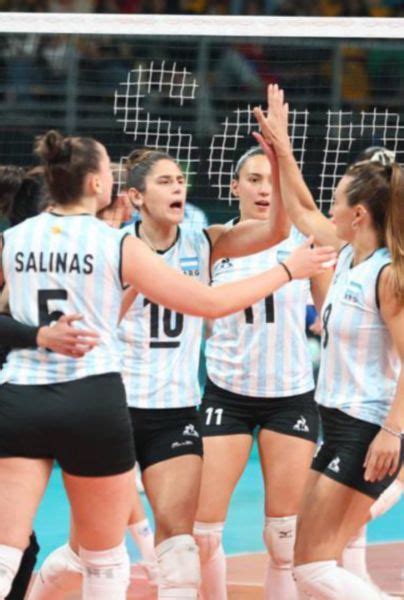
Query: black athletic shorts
[83, 424]
[345, 444]
[161, 434]
[226, 413]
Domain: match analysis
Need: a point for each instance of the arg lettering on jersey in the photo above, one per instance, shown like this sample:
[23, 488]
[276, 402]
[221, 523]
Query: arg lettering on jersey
[190, 266]
[53, 262]
[354, 293]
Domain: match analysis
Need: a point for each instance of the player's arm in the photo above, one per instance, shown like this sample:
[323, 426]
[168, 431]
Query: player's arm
[296, 196]
[253, 235]
[61, 337]
[319, 287]
[383, 457]
[166, 286]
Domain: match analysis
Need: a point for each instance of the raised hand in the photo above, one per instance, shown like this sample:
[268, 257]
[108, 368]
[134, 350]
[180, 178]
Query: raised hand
[274, 125]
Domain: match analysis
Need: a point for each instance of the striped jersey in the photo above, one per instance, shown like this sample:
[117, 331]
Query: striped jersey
[58, 265]
[161, 348]
[359, 367]
[262, 351]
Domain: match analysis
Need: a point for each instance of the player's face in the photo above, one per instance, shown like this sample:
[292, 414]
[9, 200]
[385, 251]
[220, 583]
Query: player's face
[254, 188]
[165, 193]
[342, 215]
[105, 178]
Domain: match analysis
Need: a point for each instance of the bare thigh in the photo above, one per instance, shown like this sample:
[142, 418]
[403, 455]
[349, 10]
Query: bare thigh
[22, 482]
[225, 458]
[172, 487]
[330, 514]
[100, 508]
[285, 462]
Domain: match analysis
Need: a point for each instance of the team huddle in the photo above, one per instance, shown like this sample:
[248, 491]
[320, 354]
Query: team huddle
[104, 333]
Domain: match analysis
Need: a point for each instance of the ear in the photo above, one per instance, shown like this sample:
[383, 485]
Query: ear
[93, 184]
[234, 188]
[135, 198]
[360, 213]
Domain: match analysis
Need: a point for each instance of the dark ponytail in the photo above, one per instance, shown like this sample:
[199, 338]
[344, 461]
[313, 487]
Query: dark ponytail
[67, 161]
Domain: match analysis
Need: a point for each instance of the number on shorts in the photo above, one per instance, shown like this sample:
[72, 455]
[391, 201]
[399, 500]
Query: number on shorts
[171, 330]
[326, 318]
[214, 412]
[44, 296]
[269, 311]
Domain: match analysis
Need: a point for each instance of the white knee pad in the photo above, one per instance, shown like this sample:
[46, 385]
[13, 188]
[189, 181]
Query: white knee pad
[10, 559]
[62, 570]
[178, 561]
[106, 573]
[324, 580]
[208, 536]
[279, 537]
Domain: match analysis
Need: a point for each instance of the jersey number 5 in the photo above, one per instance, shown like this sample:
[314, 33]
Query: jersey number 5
[44, 296]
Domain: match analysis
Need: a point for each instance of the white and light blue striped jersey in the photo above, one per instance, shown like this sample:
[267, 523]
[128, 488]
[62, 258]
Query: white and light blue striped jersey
[359, 367]
[263, 350]
[58, 265]
[161, 347]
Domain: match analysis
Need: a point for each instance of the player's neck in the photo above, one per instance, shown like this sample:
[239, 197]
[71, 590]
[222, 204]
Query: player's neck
[365, 243]
[85, 206]
[158, 238]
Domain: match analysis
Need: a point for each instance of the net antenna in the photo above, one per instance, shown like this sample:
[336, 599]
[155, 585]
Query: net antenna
[378, 127]
[225, 147]
[143, 84]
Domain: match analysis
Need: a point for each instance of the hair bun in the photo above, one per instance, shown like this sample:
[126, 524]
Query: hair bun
[52, 147]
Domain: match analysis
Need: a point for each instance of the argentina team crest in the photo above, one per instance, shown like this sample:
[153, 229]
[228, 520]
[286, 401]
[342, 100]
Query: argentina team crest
[190, 266]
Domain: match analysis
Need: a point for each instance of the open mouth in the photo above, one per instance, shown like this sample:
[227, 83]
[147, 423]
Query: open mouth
[263, 203]
[177, 205]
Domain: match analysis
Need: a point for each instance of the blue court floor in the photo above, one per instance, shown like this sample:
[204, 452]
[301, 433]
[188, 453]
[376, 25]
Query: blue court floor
[243, 528]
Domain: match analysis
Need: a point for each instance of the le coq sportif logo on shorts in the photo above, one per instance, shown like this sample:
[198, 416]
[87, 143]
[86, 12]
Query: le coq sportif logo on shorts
[190, 430]
[335, 465]
[301, 425]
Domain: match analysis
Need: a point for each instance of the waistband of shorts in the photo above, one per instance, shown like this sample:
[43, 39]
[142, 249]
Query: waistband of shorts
[232, 396]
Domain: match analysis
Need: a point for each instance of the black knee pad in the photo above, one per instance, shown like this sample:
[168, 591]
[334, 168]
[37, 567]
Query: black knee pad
[24, 573]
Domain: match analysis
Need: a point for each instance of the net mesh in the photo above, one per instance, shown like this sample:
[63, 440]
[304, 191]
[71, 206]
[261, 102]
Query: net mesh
[193, 96]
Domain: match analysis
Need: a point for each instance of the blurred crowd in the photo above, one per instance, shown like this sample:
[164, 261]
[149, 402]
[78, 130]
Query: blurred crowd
[332, 8]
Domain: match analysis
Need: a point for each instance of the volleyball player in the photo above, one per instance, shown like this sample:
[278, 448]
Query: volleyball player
[161, 357]
[260, 375]
[361, 381]
[61, 572]
[20, 195]
[55, 407]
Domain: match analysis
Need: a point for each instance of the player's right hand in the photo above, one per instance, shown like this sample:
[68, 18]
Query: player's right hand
[62, 337]
[307, 261]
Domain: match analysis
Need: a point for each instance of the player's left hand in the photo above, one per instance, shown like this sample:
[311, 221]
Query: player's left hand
[383, 456]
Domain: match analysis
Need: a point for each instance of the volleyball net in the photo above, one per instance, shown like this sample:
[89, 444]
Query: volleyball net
[188, 85]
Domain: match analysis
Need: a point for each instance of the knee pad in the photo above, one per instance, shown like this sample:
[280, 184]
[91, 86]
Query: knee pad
[63, 569]
[178, 561]
[208, 536]
[106, 573]
[10, 559]
[279, 538]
